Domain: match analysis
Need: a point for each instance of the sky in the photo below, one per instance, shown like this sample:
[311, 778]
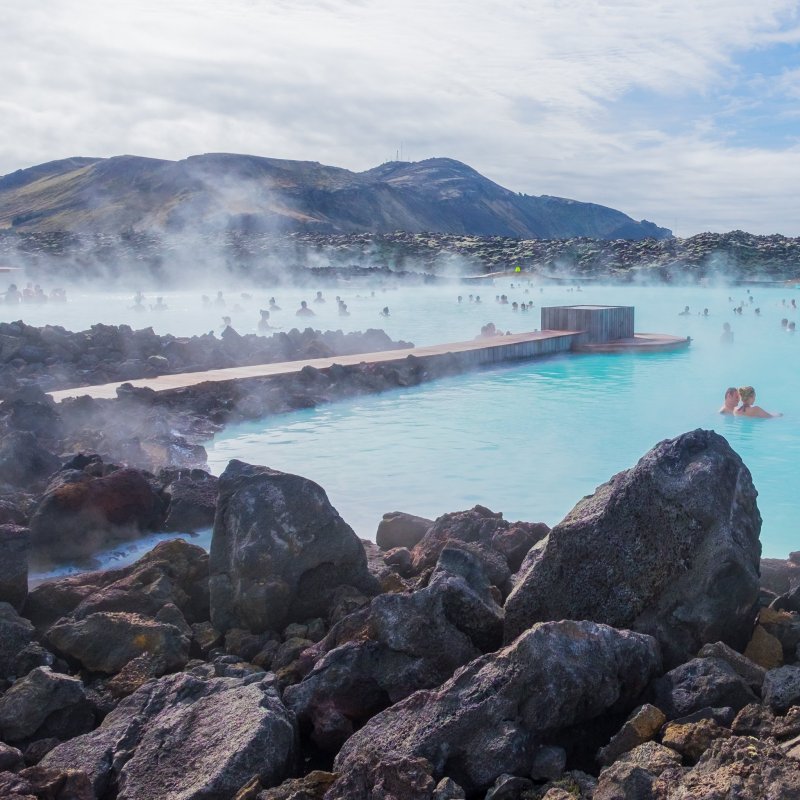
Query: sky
[685, 113]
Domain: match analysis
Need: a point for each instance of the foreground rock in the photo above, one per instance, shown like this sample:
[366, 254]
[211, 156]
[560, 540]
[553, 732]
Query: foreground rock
[188, 738]
[669, 548]
[40, 783]
[279, 551]
[398, 529]
[490, 718]
[732, 767]
[401, 643]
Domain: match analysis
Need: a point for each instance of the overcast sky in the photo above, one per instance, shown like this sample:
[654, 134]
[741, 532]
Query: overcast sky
[684, 112]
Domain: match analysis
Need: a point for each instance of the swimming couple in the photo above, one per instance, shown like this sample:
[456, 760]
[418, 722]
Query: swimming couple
[741, 403]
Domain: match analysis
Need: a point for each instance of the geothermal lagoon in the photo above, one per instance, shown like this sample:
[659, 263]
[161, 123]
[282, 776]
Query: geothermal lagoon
[528, 439]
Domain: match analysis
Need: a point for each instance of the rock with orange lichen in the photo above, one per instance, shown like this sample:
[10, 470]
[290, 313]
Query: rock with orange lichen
[740, 767]
[107, 641]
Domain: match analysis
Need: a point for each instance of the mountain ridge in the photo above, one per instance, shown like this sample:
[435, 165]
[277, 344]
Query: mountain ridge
[229, 191]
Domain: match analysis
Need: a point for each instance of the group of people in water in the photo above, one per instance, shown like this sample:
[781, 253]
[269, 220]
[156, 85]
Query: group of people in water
[265, 321]
[33, 293]
[741, 402]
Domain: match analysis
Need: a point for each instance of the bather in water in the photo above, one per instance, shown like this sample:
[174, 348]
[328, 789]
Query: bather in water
[748, 408]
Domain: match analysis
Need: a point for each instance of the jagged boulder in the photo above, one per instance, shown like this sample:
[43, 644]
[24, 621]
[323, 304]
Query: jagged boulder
[28, 704]
[106, 641]
[79, 512]
[219, 732]
[279, 551]
[669, 548]
[404, 642]
[482, 527]
[490, 717]
[192, 497]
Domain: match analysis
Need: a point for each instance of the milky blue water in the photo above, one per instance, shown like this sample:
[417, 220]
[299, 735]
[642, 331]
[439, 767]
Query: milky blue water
[528, 440]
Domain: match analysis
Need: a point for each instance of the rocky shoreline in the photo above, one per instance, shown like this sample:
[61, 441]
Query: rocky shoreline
[51, 357]
[310, 258]
[639, 649]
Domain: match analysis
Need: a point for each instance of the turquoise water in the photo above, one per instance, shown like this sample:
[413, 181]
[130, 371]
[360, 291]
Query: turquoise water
[530, 440]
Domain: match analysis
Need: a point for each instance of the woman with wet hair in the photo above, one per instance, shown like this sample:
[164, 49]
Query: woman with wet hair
[748, 408]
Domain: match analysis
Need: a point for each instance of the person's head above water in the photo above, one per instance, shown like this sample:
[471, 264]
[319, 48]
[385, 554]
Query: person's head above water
[731, 400]
[747, 394]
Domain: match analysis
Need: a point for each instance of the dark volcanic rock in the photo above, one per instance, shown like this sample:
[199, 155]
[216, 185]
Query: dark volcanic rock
[14, 545]
[402, 643]
[699, 683]
[185, 737]
[398, 529]
[107, 641]
[669, 548]
[26, 706]
[480, 526]
[79, 512]
[279, 551]
[24, 460]
[16, 633]
[192, 497]
[488, 719]
[782, 688]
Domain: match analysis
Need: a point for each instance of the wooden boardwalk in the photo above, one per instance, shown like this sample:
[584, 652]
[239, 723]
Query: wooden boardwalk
[473, 353]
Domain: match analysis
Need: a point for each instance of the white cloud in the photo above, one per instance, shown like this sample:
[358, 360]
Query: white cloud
[533, 95]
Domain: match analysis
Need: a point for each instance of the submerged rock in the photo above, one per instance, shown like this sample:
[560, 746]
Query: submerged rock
[488, 719]
[279, 551]
[669, 548]
[188, 738]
